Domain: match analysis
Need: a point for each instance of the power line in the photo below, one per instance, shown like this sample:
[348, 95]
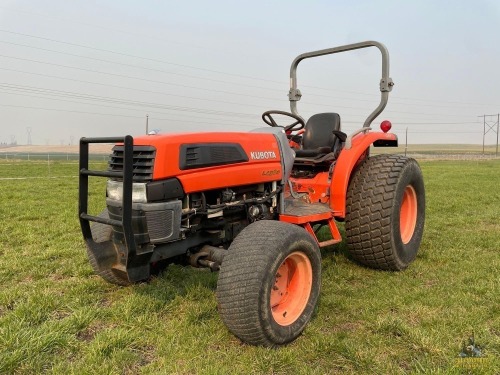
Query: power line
[174, 95]
[107, 114]
[434, 123]
[67, 110]
[98, 26]
[115, 100]
[129, 88]
[206, 122]
[60, 93]
[117, 75]
[138, 66]
[205, 78]
[126, 109]
[193, 87]
[163, 93]
[135, 103]
[216, 71]
[433, 132]
[140, 57]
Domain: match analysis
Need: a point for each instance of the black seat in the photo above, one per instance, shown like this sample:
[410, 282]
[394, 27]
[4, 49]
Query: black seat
[321, 136]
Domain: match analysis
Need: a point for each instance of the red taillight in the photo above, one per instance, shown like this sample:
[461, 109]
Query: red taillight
[385, 126]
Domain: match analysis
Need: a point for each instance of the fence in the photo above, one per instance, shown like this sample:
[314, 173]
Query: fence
[50, 157]
[17, 166]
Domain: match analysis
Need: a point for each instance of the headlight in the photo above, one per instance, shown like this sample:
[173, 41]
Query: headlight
[114, 190]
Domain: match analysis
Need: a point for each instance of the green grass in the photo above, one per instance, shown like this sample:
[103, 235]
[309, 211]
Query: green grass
[56, 316]
[441, 150]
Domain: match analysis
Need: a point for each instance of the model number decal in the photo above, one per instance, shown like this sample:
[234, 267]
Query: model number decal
[271, 172]
[257, 155]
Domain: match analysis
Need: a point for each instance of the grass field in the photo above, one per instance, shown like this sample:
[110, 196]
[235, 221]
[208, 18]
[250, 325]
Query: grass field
[56, 316]
[442, 151]
[101, 151]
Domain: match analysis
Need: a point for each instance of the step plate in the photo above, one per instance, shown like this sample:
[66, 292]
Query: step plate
[299, 212]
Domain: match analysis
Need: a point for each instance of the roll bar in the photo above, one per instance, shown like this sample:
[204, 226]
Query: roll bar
[386, 82]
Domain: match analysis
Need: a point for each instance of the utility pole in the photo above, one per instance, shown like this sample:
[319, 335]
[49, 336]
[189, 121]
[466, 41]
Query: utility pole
[489, 125]
[147, 124]
[406, 144]
[28, 130]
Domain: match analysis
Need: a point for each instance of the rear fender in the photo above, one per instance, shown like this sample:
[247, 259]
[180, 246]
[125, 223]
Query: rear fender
[347, 161]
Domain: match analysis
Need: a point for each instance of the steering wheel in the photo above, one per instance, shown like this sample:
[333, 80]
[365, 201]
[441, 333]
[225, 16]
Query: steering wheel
[297, 125]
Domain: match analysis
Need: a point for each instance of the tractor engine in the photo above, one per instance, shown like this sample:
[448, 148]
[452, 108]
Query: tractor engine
[190, 190]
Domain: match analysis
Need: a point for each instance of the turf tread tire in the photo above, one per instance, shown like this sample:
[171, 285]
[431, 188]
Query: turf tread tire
[245, 280]
[373, 208]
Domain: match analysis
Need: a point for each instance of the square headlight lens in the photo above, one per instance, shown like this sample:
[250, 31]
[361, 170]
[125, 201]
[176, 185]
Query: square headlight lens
[114, 190]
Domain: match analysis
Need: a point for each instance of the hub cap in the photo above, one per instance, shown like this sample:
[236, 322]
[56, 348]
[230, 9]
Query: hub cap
[292, 288]
[408, 214]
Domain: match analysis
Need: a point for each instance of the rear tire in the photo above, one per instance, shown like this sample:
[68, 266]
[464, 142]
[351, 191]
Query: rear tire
[269, 283]
[385, 212]
[103, 233]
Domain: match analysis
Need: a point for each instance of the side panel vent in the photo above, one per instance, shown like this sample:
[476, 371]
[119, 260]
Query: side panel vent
[209, 154]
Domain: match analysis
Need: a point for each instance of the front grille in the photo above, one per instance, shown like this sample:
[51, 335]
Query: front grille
[160, 225]
[144, 158]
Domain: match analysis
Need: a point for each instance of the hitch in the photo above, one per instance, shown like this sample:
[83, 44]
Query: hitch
[209, 256]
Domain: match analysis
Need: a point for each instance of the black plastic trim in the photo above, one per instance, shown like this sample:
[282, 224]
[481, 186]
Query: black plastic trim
[164, 190]
[198, 155]
[385, 143]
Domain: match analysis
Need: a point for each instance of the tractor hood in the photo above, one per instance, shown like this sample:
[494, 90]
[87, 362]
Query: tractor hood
[203, 161]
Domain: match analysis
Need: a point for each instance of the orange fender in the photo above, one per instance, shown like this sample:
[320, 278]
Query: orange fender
[346, 162]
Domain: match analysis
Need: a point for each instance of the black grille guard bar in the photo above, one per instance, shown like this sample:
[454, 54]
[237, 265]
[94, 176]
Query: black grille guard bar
[127, 175]
[385, 82]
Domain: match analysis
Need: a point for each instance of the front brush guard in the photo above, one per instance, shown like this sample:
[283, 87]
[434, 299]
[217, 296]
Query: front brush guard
[122, 259]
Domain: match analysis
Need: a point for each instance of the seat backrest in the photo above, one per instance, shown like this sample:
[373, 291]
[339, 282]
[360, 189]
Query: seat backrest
[318, 131]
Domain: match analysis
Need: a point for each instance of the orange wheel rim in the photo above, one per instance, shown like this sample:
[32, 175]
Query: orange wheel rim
[291, 289]
[408, 214]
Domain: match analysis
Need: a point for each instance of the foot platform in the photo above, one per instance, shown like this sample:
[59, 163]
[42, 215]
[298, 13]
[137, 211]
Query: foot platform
[308, 214]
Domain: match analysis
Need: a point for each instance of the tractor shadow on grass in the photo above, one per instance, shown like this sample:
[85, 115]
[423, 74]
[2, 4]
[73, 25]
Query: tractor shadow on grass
[182, 284]
[184, 296]
[330, 252]
[175, 280]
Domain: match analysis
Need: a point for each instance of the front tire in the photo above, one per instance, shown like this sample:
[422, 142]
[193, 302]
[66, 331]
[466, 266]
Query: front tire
[102, 233]
[269, 283]
[385, 212]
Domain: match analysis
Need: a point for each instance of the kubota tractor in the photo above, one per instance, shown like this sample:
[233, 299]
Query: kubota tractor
[250, 205]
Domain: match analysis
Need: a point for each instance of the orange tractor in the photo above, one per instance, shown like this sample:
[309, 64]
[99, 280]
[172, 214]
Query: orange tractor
[250, 205]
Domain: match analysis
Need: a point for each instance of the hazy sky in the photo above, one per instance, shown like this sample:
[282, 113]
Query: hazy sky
[97, 68]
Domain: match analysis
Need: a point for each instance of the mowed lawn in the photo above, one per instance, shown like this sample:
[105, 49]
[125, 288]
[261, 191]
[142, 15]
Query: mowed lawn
[56, 316]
